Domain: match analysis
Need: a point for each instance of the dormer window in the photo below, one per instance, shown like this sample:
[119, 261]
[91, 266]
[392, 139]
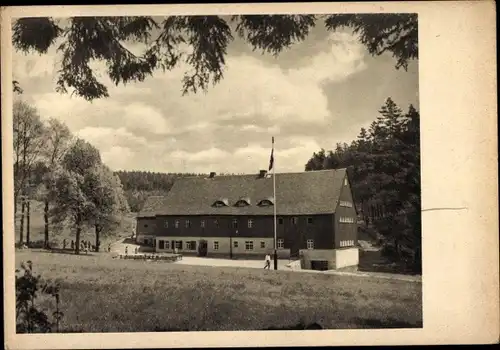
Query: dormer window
[267, 202]
[221, 202]
[242, 202]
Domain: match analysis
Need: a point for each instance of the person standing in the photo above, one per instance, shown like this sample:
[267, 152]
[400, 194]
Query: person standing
[268, 262]
[64, 244]
[126, 250]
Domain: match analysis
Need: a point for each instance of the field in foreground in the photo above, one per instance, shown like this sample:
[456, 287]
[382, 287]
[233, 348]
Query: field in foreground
[100, 294]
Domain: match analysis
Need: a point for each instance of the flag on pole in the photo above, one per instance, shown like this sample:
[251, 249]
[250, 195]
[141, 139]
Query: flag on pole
[271, 161]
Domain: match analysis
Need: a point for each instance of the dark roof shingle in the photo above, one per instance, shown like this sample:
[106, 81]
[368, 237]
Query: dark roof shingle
[305, 193]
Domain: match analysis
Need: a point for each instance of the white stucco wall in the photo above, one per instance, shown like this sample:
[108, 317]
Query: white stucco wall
[346, 257]
[224, 245]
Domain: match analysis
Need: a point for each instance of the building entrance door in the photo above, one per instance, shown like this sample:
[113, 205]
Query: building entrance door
[202, 248]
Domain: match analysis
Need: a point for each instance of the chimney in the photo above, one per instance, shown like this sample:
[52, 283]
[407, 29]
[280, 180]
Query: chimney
[212, 174]
[262, 173]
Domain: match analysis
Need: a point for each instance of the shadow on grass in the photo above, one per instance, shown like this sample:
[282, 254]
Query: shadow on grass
[375, 262]
[387, 323]
[64, 251]
[299, 326]
[363, 322]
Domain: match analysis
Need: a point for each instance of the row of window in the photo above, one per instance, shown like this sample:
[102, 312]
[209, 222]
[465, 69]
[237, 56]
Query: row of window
[348, 243]
[346, 219]
[345, 204]
[224, 202]
[234, 224]
[191, 245]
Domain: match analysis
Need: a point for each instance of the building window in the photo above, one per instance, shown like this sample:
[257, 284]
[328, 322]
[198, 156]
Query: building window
[248, 245]
[346, 204]
[266, 203]
[309, 221]
[166, 224]
[235, 223]
[310, 244]
[347, 220]
[295, 220]
[235, 244]
[262, 245]
[281, 243]
[202, 223]
[191, 245]
[242, 202]
[348, 243]
[280, 221]
[250, 223]
[216, 223]
[221, 202]
[216, 245]
[176, 223]
[161, 244]
[188, 223]
[167, 245]
[178, 244]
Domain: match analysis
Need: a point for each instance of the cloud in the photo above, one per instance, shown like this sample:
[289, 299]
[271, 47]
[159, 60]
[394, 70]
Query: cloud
[151, 126]
[107, 138]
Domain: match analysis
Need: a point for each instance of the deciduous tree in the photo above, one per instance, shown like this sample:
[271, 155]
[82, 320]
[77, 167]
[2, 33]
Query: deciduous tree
[29, 140]
[58, 139]
[71, 186]
[104, 190]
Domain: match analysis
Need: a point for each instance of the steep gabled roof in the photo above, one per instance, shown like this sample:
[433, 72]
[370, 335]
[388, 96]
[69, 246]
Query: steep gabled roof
[151, 206]
[305, 193]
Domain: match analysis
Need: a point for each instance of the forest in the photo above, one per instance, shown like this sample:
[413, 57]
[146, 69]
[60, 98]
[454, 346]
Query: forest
[139, 185]
[384, 168]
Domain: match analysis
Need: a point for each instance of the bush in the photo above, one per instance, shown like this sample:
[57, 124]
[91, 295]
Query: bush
[29, 318]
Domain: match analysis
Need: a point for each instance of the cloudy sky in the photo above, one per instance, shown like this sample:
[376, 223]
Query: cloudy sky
[318, 93]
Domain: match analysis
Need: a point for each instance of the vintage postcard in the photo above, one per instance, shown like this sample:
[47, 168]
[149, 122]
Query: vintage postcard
[254, 174]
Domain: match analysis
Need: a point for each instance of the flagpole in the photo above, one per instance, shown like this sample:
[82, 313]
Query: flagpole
[275, 224]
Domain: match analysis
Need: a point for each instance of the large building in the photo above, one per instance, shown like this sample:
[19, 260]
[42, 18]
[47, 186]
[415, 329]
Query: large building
[234, 216]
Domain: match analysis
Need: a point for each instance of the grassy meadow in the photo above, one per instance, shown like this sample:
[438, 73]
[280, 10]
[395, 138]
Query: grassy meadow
[101, 294]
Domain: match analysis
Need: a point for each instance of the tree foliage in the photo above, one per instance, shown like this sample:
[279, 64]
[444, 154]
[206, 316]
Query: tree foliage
[28, 142]
[109, 204]
[30, 318]
[85, 39]
[384, 167]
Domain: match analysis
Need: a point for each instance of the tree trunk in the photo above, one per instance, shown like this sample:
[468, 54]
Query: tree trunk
[78, 232]
[46, 222]
[97, 233]
[28, 223]
[21, 229]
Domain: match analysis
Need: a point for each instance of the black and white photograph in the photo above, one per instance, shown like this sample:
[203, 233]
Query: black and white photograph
[216, 172]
